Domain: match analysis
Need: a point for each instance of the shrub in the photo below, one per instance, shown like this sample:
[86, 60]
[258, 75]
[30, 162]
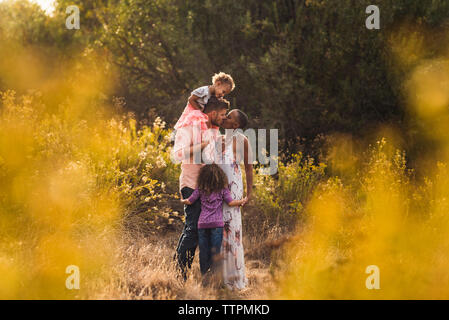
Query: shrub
[68, 181]
[282, 197]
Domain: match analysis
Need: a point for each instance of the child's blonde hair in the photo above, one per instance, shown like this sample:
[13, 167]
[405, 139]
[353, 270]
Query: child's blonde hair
[223, 78]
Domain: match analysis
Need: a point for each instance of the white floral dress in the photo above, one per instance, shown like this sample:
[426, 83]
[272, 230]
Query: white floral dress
[232, 248]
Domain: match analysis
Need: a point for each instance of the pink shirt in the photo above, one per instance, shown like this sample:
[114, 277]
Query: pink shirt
[186, 137]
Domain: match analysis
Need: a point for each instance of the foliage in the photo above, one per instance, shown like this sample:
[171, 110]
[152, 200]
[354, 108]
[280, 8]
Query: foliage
[75, 167]
[67, 180]
[386, 219]
[282, 198]
[305, 67]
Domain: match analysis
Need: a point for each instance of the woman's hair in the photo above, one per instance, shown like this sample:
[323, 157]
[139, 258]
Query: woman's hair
[224, 78]
[242, 118]
[212, 179]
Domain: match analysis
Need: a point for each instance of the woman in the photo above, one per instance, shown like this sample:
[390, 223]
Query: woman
[234, 150]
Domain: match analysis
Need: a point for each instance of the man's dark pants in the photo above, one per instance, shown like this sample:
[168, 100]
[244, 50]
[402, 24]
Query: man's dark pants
[188, 241]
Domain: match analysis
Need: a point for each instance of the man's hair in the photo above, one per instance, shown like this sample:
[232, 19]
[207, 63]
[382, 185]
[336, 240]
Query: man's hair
[242, 118]
[223, 78]
[215, 104]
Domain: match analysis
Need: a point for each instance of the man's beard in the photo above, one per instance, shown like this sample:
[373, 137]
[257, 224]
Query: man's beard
[214, 122]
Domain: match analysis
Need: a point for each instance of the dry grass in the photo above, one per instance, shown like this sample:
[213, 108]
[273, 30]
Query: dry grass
[147, 270]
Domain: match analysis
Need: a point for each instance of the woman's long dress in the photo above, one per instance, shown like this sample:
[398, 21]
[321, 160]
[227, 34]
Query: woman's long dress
[232, 249]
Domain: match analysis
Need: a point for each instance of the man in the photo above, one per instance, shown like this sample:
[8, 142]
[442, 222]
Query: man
[190, 141]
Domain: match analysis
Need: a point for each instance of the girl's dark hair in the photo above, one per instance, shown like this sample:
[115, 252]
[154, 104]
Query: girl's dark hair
[212, 179]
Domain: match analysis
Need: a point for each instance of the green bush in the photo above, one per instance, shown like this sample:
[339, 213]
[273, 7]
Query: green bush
[282, 197]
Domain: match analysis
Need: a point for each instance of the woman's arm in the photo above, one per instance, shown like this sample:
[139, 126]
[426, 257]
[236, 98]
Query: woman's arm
[248, 169]
[241, 145]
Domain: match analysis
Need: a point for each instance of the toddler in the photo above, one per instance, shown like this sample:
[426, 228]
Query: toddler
[222, 84]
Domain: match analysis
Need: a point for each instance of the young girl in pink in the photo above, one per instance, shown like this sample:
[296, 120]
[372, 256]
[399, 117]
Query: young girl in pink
[222, 84]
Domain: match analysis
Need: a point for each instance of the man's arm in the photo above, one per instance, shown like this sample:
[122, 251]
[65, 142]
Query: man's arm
[198, 148]
[184, 147]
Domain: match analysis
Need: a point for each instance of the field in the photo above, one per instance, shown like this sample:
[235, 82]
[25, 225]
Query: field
[87, 184]
[101, 194]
